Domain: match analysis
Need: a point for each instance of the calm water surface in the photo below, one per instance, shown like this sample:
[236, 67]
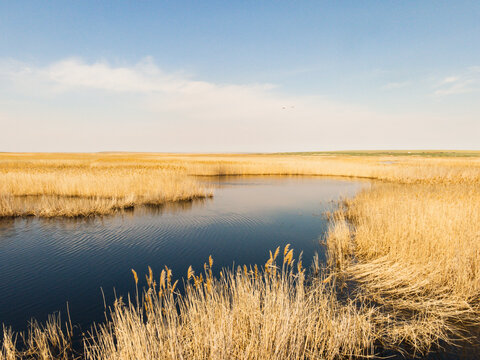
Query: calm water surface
[45, 263]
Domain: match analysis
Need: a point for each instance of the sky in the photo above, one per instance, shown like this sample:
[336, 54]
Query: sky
[239, 76]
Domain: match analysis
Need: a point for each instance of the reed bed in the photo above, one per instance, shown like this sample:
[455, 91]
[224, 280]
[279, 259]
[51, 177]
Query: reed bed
[87, 184]
[414, 249]
[247, 313]
[42, 342]
[80, 190]
[402, 272]
[399, 170]
[277, 311]
[274, 311]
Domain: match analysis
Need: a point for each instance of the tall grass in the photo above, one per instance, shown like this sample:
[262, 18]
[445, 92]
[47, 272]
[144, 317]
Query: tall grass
[271, 312]
[266, 313]
[275, 311]
[86, 184]
[69, 191]
[414, 249]
[42, 342]
[402, 272]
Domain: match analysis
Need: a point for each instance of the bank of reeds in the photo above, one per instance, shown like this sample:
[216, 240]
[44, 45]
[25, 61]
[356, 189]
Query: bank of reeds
[403, 272]
[414, 249]
[254, 313]
[275, 311]
[70, 191]
[42, 341]
[86, 184]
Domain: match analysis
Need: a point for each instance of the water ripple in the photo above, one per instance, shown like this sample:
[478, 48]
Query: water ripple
[45, 263]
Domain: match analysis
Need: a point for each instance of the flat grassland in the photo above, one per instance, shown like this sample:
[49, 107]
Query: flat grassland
[87, 184]
[403, 270]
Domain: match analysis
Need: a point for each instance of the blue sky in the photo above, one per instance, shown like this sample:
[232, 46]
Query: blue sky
[239, 76]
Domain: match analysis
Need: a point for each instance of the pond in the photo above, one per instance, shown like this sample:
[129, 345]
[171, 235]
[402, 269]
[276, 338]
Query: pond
[46, 264]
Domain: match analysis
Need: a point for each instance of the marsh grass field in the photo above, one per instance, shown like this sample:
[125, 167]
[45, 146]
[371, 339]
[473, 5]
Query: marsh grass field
[402, 273]
[50, 185]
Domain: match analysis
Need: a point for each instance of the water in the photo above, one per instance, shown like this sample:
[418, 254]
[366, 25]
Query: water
[47, 263]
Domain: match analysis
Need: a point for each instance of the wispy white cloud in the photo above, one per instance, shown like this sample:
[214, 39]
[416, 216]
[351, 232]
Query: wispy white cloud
[72, 105]
[450, 80]
[175, 94]
[466, 82]
[71, 74]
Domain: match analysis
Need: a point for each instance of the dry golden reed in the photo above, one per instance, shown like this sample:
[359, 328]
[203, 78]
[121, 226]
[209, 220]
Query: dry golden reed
[414, 248]
[271, 315]
[87, 184]
[41, 342]
[86, 187]
[403, 261]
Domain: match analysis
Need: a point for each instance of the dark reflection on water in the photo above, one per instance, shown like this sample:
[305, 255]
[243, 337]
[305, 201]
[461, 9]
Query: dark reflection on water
[45, 263]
